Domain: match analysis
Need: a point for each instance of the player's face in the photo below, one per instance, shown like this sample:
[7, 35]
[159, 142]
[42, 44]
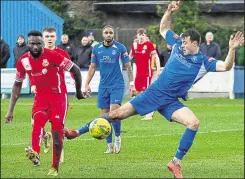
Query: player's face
[35, 45]
[108, 34]
[49, 39]
[141, 37]
[188, 46]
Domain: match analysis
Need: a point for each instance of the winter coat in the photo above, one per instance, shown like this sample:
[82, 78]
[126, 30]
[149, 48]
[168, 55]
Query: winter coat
[70, 49]
[212, 50]
[19, 51]
[83, 56]
[5, 54]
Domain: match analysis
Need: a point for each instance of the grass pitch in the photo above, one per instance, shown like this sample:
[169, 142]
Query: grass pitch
[147, 146]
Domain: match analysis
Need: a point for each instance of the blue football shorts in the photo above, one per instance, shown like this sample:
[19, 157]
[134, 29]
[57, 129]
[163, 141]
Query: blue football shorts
[154, 100]
[108, 96]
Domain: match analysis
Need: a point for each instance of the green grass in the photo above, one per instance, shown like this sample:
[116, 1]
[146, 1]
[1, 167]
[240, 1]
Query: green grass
[147, 146]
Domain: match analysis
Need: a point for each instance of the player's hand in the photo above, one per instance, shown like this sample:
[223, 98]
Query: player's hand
[133, 91]
[80, 95]
[158, 72]
[236, 41]
[9, 117]
[173, 6]
[87, 90]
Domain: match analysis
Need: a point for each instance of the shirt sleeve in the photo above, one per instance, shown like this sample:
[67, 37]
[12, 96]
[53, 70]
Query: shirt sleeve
[171, 37]
[124, 54]
[20, 72]
[210, 64]
[151, 48]
[94, 56]
[62, 61]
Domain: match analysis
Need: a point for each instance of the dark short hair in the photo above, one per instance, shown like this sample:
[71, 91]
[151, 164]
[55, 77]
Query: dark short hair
[141, 31]
[108, 26]
[193, 34]
[35, 33]
[49, 29]
[22, 36]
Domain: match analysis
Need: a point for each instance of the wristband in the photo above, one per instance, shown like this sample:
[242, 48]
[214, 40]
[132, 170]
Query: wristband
[131, 83]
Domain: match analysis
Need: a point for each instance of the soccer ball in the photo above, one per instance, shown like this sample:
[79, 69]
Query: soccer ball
[100, 128]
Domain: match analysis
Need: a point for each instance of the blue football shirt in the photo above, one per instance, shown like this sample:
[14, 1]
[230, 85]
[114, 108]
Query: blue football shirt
[109, 60]
[181, 71]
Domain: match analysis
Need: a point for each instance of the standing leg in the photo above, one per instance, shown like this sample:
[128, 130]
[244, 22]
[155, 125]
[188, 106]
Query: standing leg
[186, 117]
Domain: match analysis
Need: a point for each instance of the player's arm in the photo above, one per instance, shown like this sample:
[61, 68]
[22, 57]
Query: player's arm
[157, 61]
[75, 70]
[127, 64]
[16, 89]
[234, 43]
[166, 19]
[90, 75]
[14, 97]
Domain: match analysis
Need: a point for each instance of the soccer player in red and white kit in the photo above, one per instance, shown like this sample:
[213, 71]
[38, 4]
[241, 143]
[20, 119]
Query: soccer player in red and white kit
[50, 103]
[49, 39]
[143, 51]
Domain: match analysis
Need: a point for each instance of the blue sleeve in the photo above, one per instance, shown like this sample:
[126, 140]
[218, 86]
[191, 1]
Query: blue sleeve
[124, 54]
[171, 37]
[94, 56]
[210, 64]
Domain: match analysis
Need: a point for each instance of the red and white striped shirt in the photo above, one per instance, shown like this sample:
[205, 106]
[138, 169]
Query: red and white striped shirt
[46, 73]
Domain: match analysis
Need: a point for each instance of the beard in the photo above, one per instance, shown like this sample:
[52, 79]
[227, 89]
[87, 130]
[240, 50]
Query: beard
[35, 55]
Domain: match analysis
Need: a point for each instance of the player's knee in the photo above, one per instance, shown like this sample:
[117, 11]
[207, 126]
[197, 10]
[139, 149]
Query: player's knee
[194, 124]
[40, 118]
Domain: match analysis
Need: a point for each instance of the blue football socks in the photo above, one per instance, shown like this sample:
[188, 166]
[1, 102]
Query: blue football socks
[185, 143]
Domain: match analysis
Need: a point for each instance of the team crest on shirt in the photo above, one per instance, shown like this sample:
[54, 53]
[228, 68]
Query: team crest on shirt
[114, 52]
[45, 62]
[194, 59]
[143, 51]
[144, 47]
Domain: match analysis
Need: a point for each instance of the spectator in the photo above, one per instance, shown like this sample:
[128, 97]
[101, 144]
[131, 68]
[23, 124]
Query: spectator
[164, 56]
[5, 53]
[20, 48]
[91, 40]
[210, 48]
[83, 53]
[69, 48]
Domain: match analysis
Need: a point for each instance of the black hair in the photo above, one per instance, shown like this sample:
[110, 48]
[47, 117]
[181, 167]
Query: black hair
[107, 27]
[22, 36]
[35, 33]
[193, 34]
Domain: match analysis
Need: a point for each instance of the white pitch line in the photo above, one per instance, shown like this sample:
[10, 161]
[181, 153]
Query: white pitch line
[94, 104]
[142, 136]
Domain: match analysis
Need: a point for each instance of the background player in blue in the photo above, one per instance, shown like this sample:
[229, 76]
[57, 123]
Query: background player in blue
[107, 55]
[186, 64]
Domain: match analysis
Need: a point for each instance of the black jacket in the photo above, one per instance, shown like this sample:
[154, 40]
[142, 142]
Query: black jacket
[212, 50]
[19, 51]
[5, 54]
[70, 49]
[83, 56]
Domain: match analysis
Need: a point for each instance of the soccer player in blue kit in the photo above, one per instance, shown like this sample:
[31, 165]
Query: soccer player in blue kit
[108, 55]
[185, 65]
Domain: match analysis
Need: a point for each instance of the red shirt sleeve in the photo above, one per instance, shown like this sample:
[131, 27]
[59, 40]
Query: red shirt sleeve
[20, 71]
[61, 61]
